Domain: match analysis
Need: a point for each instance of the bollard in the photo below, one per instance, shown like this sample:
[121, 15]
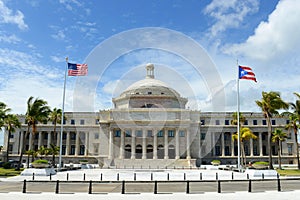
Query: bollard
[247, 176]
[155, 187]
[217, 176]
[232, 177]
[33, 176]
[134, 176]
[90, 187]
[101, 177]
[200, 176]
[278, 183]
[184, 176]
[262, 176]
[50, 177]
[249, 186]
[151, 176]
[219, 186]
[118, 176]
[24, 186]
[67, 176]
[123, 187]
[84, 177]
[168, 176]
[57, 187]
[187, 187]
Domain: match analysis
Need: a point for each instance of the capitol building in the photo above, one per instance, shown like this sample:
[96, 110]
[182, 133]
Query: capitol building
[151, 127]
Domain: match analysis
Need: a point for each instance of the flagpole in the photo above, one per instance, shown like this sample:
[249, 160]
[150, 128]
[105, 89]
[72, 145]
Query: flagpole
[238, 117]
[62, 117]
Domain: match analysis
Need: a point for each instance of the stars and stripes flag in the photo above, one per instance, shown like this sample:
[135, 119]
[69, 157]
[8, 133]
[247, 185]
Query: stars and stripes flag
[77, 69]
[246, 73]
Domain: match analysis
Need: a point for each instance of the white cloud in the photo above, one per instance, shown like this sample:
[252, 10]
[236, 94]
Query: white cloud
[12, 39]
[279, 37]
[60, 35]
[8, 17]
[229, 13]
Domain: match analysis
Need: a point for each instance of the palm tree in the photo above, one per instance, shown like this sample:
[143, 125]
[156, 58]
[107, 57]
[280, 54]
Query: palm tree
[55, 117]
[234, 120]
[278, 137]
[10, 122]
[245, 134]
[37, 111]
[3, 113]
[270, 103]
[31, 153]
[54, 150]
[43, 151]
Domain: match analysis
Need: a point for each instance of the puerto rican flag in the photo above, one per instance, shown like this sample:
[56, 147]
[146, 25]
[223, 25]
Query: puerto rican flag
[246, 73]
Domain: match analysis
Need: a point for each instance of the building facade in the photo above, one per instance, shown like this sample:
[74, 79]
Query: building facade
[151, 127]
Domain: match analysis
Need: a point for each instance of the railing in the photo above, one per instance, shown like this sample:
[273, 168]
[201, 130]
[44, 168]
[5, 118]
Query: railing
[154, 186]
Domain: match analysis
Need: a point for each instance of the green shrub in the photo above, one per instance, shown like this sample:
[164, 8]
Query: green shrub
[261, 163]
[7, 165]
[40, 161]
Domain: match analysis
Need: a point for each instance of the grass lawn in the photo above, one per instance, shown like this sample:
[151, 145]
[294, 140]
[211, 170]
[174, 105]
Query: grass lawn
[9, 172]
[288, 172]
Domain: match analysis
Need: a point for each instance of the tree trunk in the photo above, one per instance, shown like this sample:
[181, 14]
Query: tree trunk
[279, 154]
[297, 147]
[7, 147]
[23, 148]
[269, 142]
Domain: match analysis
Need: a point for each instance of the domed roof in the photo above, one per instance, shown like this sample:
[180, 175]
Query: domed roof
[149, 82]
[149, 92]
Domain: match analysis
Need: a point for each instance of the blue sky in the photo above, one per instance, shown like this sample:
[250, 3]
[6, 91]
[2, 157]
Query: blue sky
[36, 36]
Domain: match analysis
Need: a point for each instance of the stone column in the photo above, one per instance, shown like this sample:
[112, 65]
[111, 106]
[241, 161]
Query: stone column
[77, 144]
[49, 139]
[133, 144]
[21, 141]
[111, 145]
[57, 138]
[155, 144]
[68, 144]
[166, 143]
[260, 144]
[223, 144]
[232, 144]
[122, 145]
[177, 154]
[86, 149]
[213, 141]
[144, 150]
[40, 139]
[188, 144]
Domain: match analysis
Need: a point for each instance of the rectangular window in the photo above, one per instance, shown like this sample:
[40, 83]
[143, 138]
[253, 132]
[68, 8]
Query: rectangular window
[128, 133]
[263, 136]
[73, 121]
[203, 136]
[117, 133]
[160, 133]
[45, 136]
[217, 122]
[63, 149]
[202, 122]
[273, 122]
[290, 149]
[82, 122]
[227, 151]
[64, 122]
[81, 150]
[73, 136]
[170, 133]
[11, 136]
[264, 122]
[139, 133]
[218, 150]
[96, 136]
[181, 134]
[254, 122]
[255, 152]
[246, 122]
[149, 133]
[72, 150]
[226, 122]
[64, 136]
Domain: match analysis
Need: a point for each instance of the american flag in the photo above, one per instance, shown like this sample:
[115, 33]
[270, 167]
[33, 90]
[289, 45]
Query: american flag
[77, 69]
